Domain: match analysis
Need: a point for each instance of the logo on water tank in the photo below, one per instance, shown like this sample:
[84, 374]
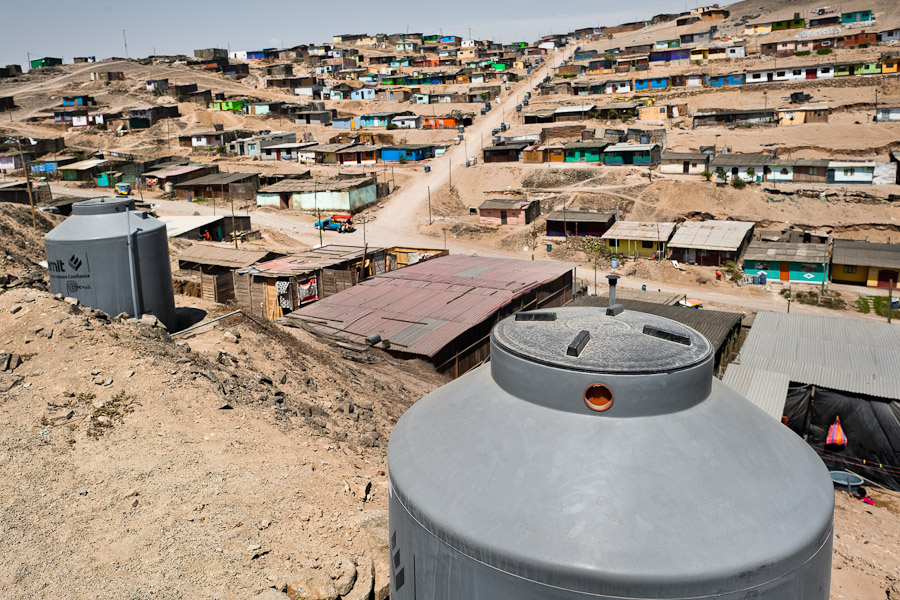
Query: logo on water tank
[75, 262]
[72, 287]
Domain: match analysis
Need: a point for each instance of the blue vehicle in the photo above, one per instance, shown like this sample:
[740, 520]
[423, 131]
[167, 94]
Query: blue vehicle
[342, 223]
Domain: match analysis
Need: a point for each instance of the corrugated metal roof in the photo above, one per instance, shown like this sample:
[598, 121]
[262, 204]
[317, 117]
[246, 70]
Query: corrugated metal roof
[424, 307]
[787, 251]
[741, 160]
[640, 230]
[849, 355]
[181, 170]
[711, 235]
[223, 257]
[83, 165]
[866, 254]
[217, 179]
[179, 225]
[575, 109]
[631, 147]
[311, 260]
[315, 185]
[505, 204]
[766, 389]
[582, 216]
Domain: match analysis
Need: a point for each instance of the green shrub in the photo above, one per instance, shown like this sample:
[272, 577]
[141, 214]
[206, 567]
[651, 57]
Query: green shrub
[880, 304]
[823, 51]
[802, 53]
[706, 175]
[721, 174]
[738, 183]
[863, 45]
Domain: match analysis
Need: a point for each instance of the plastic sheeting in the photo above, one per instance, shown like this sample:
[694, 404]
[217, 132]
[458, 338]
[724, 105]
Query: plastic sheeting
[872, 427]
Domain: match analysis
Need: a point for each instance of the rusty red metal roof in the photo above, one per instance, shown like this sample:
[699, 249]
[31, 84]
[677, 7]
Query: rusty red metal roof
[422, 308]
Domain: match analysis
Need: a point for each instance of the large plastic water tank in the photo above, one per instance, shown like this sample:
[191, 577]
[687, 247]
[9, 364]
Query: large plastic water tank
[88, 259]
[596, 456]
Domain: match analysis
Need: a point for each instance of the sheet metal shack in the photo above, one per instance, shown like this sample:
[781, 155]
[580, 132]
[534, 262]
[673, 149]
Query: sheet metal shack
[508, 211]
[710, 243]
[214, 267]
[276, 288]
[578, 222]
[347, 195]
[442, 310]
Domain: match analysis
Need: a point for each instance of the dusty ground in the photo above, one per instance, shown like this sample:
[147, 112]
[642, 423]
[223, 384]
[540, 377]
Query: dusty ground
[141, 466]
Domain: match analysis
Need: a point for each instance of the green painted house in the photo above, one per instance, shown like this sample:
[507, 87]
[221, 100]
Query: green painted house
[233, 105]
[788, 24]
[46, 61]
[789, 262]
[869, 68]
[587, 151]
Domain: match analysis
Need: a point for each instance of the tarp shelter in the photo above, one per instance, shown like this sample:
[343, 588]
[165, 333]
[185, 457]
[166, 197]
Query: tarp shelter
[838, 367]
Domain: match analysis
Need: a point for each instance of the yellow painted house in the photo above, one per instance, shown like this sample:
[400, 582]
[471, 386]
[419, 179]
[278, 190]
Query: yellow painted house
[638, 238]
[757, 28]
[865, 263]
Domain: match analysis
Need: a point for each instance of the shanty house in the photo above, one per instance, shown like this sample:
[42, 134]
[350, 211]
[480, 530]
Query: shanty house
[586, 151]
[508, 211]
[862, 172]
[214, 266]
[749, 167]
[796, 115]
[710, 243]
[407, 153]
[275, 288]
[789, 262]
[578, 222]
[865, 263]
[505, 153]
[646, 155]
[85, 170]
[734, 118]
[407, 121]
[687, 163]
[638, 238]
[215, 186]
[442, 309]
[345, 195]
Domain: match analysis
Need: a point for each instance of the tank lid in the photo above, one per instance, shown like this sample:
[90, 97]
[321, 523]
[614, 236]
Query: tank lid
[587, 340]
[102, 206]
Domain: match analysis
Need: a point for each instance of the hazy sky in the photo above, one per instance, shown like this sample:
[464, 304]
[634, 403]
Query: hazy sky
[90, 28]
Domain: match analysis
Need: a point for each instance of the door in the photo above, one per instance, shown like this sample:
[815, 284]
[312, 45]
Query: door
[686, 167]
[886, 276]
[784, 272]
[811, 73]
[504, 217]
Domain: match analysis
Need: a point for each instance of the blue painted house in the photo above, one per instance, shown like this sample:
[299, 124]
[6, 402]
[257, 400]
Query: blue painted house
[653, 83]
[362, 94]
[726, 80]
[256, 54]
[407, 153]
[80, 100]
[790, 262]
[381, 119]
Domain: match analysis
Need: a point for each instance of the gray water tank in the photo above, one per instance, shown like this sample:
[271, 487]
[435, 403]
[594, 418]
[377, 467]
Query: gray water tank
[87, 258]
[596, 456]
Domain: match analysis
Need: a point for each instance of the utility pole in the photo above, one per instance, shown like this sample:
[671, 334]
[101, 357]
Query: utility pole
[28, 184]
[430, 220]
[890, 298]
[318, 214]
[124, 39]
[450, 170]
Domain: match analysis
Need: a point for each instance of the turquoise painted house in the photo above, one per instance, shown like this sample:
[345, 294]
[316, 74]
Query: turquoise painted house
[587, 151]
[788, 262]
[645, 155]
[856, 16]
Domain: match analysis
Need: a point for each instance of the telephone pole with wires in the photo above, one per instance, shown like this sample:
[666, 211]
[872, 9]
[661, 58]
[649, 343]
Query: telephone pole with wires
[124, 39]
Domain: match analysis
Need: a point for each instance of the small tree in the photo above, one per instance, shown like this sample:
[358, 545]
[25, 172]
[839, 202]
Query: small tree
[721, 174]
[706, 175]
[751, 173]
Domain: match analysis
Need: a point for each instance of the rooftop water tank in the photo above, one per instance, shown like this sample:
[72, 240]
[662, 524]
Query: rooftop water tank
[88, 258]
[596, 456]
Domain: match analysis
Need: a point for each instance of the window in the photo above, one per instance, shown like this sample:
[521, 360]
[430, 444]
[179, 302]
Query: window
[784, 171]
[762, 266]
[781, 73]
[797, 72]
[850, 269]
[825, 69]
[849, 172]
[645, 244]
[808, 268]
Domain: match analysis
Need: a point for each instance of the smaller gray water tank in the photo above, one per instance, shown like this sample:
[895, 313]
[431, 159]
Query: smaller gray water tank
[88, 259]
